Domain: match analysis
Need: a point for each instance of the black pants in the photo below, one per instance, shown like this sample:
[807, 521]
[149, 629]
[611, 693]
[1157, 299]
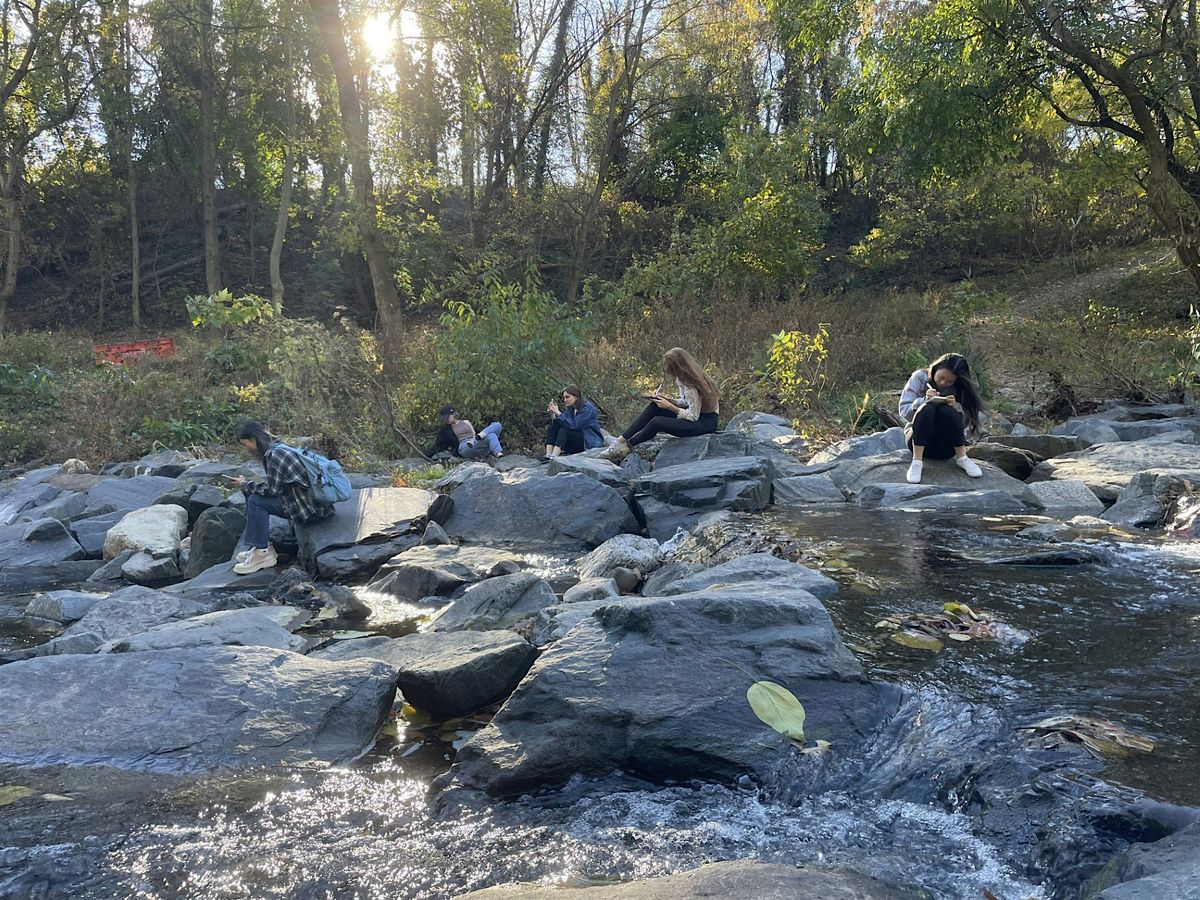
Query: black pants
[654, 420]
[938, 427]
[568, 440]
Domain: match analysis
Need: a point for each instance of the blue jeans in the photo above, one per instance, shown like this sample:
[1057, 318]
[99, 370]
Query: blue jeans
[491, 434]
[259, 510]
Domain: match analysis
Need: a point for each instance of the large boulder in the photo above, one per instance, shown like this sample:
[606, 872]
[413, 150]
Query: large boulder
[751, 568]
[602, 470]
[679, 451]
[21, 579]
[370, 516]
[855, 475]
[122, 613]
[592, 589]
[863, 445]
[62, 606]
[190, 710]
[732, 482]
[1065, 498]
[43, 543]
[155, 529]
[529, 509]
[151, 571]
[440, 570]
[449, 675]
[221, 579]
[627, 551]
[1108, 468]
[656, 687]
[31, 489]
[497, 603]
[742, 879]
[1041, 445]
[1011, 460]
[802, 490]
[1143, 503]
[1166, 868]
[124, 494]
[261, 626]
[214, 539]
[364, 560]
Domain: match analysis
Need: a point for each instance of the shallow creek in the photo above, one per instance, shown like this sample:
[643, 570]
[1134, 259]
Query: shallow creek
[1117, 641]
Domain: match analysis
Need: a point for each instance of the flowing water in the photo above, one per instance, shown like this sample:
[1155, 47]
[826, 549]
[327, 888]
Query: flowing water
[945, 802]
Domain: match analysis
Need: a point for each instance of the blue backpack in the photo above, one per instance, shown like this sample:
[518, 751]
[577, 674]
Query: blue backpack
[329, 483]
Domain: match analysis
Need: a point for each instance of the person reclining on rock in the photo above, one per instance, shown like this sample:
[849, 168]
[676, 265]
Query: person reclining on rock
[940, 405]
[286, 493]
[458, 436]
[575, 427]
[692, 413]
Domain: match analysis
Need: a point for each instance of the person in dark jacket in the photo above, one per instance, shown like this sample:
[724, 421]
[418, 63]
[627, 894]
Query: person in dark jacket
[575, 427]
[458, 436]
[286, 493]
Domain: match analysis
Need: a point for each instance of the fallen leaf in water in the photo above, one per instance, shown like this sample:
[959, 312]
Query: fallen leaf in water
[917, 640]
[57, 798]
[820, 749]
[958, 636]
[11, 793]
[347, 635]
[327, 612]
[960, 610]
[1098, 736]
[778, 707]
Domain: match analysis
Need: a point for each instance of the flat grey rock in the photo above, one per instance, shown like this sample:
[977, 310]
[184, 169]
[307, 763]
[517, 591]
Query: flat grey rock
[663, 520]
[620, 691]
[802, 490]
[221, 578]
[680, 451]
[16, 579]
[262, 626]
[1043, 445]
[663, 578]
[752, 568]
[156, 529]
[129, 493]
[591, 589]
[528, 509]
[191, 710]
[628, 551]
[863, 445]
[1166, 868]
[43, 550]
[151, 571]
[1011, 460]
[746, 421]
[363, 560]
[740, 879]
[1065, 498]
[734, 482]
[1108, 468]
[993, 501]
[856, 475]
[111, 570]
[439, 571]
[120, 614]
[449, 675]
[370, 515]
[62, 606]
[888, 495]
[602, 470]
[495, 603]
[64, 506]
[27, 491]
[91, 531]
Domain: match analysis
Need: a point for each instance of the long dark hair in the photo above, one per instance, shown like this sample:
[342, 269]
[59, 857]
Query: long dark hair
[966, 392]
[573, 390]
[262, 438]
[681, 365]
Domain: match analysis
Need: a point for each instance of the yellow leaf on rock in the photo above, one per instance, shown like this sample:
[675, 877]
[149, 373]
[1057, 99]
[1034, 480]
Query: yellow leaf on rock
[778, 707]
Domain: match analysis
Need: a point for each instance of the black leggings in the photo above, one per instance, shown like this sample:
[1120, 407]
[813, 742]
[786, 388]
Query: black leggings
[938, 427]
[654, 420]
[568, 440]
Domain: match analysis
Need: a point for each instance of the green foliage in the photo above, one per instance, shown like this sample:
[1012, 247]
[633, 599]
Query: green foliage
[795, 367]
[223, 310]
[503, 353]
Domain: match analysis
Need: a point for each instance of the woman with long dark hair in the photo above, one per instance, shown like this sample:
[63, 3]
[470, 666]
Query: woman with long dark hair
[693, 412]
[941, 406]
[575, 427]
[286, 493]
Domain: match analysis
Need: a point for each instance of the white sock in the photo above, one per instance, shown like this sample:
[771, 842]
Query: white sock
[969, 466]
[914, 471]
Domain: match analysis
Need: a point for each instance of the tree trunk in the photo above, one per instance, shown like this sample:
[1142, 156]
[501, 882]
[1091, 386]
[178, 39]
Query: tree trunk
[355, 130]
[285, 186]
[11, 184]
[208, 153]
[135, 250]
[553, 75]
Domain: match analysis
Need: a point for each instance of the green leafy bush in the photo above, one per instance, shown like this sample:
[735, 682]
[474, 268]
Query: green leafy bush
[223, 310]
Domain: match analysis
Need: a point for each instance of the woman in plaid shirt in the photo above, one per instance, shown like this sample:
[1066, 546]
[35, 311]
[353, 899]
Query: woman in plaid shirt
[286, 493]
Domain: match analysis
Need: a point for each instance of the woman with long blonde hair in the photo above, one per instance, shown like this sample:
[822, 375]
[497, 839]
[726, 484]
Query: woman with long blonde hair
[694, 411]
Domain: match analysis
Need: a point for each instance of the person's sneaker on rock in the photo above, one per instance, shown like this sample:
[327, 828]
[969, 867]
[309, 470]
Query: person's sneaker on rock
[914, 472]
[969, 466]
[256, 560]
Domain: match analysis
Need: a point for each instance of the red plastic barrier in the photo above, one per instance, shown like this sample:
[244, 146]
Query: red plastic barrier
[120, 353]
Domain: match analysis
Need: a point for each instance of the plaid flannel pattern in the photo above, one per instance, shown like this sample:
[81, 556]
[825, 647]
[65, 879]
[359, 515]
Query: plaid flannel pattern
[287, 479]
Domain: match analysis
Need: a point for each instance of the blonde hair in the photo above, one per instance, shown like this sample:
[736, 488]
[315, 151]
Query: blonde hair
[681, 365]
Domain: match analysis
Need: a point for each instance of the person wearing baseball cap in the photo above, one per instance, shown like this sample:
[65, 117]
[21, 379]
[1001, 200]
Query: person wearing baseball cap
[458, 436]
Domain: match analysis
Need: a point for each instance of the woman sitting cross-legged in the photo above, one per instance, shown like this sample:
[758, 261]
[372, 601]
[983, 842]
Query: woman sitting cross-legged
[941, 406]
[692, 413]
[286, 493]
[575, 427]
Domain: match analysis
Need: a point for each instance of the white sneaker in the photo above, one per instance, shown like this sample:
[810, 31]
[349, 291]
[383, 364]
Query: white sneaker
[241, 557]
[616, 452]
[969, 466]
[914, 472]
[258, 560]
